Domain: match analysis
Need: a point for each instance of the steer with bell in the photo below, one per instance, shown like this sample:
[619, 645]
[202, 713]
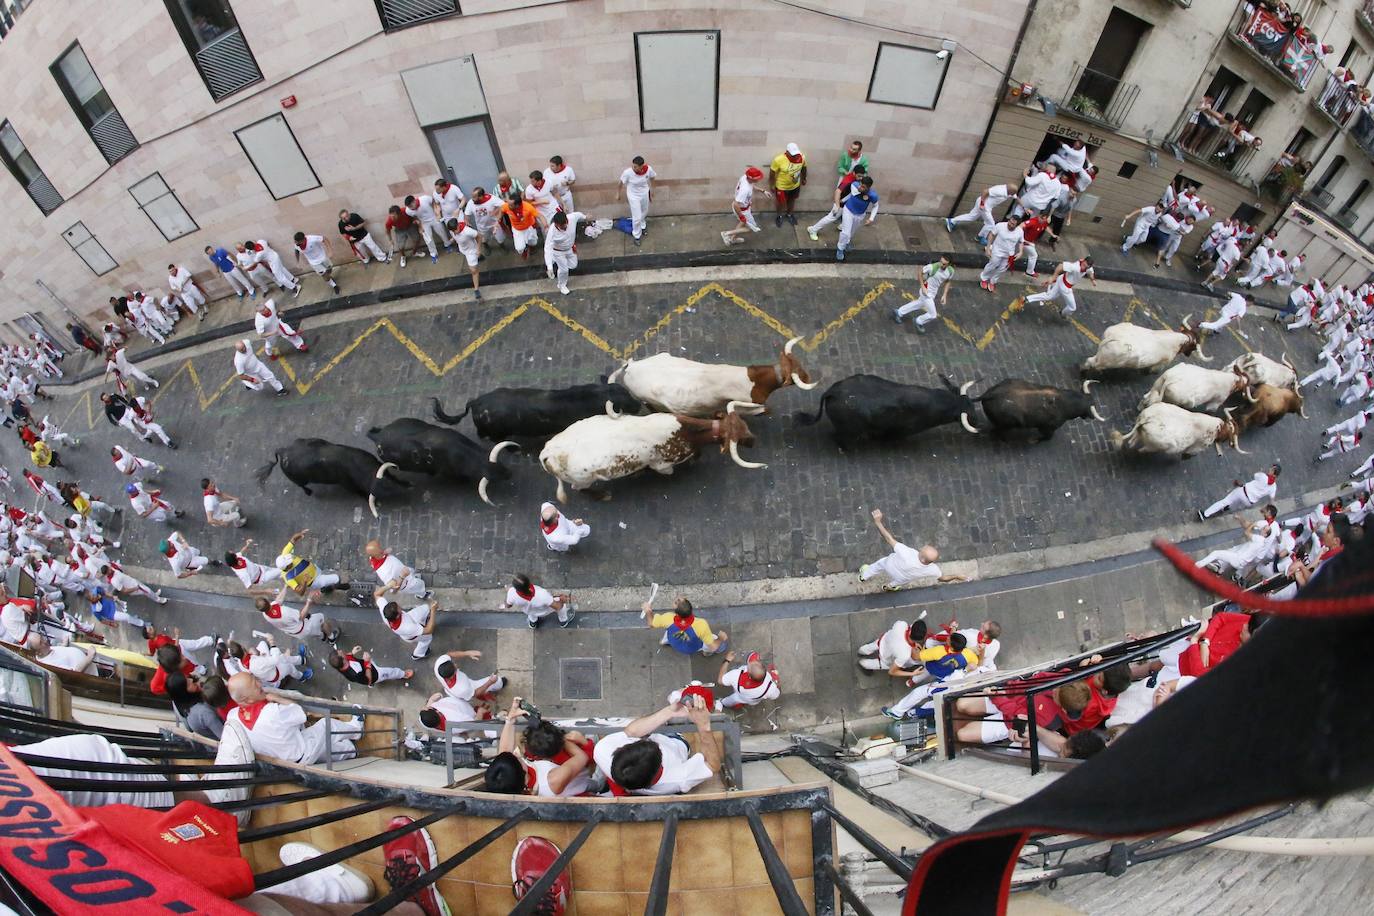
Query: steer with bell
[423, 448]
[308, 461]
[1163, 429]
[682, 386]
[1128, 346]
[1016, 405]
[870, 407]
[599, 449]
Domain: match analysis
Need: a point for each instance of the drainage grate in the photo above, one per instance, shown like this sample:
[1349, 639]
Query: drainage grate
[580, 678]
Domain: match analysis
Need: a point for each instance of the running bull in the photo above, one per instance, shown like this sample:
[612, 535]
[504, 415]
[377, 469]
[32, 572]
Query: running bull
[870, 407]
[1164, 429]
[414, 445]
[681, 386]
[1261, 370]
[1015, 405]
[1197, 388]
[603, 448]
[1129, 346]
[537, 413]
[1270, 405]
[312, 461]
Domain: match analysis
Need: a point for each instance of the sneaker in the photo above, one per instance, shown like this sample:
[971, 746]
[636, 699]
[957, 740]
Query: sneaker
[863, 571]
[407, 858]
[887, 711]
[434, 259]
[949, 225]
[283, 393]
[179, 513]
[981, 283]
[532, 859]
[253, 294]
[234, 750]
[1034, 275]
[567, 623]
[295, 292]
[636, 241]
[302, 653]
[564, 290]
[839, 254]
[403, 260]
[353, 885]
[992, 287]
[813, 236]
[897, 316]
[532, 623]
[920, 328]
[1200, 516]
[306, 675]
[477, 294]
[792, 218]
[777, 220]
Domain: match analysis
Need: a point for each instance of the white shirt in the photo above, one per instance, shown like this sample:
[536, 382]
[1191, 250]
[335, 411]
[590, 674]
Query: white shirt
[637, 185]
[68, 657]
[543, 199]
[1228, 252]
[559, 181]
[391, 568]
[314, 249]
[451, 201]
[251, 574]
[563, 536]
[142, 503]
[578, 785]
[998, 193]
[754, 694]
[247, 259]
[127, 463]
[542, 598]
[454, 710]
[483, 215]
[14, 623]
[683, 771]
[1070, 272]
[933, 276]
[1005, 240]
[744, 193]
[288, 619]
[1259, 488]
[247, 363]
[562, 240]
[183, 559]
[411, 625]
[989, 653]
[469, 241]
[461, 687]
[908, 565]
[267, 325]
[893, 647]
[1040, 189]
[180, 280]
[424, 211]
[278, 730]
[1148, 216]
[1074, 159]
[267, 668]
[1235, 307]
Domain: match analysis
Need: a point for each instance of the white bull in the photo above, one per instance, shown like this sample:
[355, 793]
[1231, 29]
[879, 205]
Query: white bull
[1164, 429]
[1196, 388]
[603, 448]
[682, 386]
[1261, 370]
[1129, 346]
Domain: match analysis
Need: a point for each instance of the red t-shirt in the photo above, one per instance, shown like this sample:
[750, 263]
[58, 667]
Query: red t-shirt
[158, 684]
[399, 220]
[1033, 228]
[1223, 635]
[1047, 711]
[158, 641]
[1094, 714]
[194, 840]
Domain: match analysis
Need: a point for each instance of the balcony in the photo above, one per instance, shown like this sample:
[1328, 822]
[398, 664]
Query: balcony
[1215, 148]
[1336, 102]
[1319, 198]
[1362, 132]
[1365, 16]
[227, 64]
[1098, 97]
[42, 193]
[1346, 216]
[401, 14]
[1292, 57]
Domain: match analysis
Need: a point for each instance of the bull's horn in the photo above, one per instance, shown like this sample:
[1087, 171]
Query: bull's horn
[372, 504]
[383, 469]
[734, 455]
[611, 411]
[1088, 383]
[1283, 358]
[498, 448]
[1095, 415]
[1200, 354]
[787, 347]
[381, 472]
[963, 420]
[1187, 318]
[963, 389]
[482, 492]
[1248, 396]
[1228, 411]
[730, 407]
[1302, 411]
[804, 386]
[1235, 444]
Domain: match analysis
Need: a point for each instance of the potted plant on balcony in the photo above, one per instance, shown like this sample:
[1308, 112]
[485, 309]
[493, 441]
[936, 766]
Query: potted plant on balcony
[1087, 106]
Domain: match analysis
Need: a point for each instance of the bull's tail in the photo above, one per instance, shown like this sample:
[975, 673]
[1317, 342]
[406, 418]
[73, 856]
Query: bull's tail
[1152, 396]
[448, 418]
[1118, 440]
[801, 418]
[265, 471]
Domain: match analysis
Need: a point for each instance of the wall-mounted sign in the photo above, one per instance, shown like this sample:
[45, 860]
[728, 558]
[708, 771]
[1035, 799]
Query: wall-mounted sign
[1063, 130]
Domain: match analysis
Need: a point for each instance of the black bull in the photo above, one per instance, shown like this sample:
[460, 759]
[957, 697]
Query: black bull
[869, 407]
[307, 461]
[423, 448]
[537, 413]
[1016, 405]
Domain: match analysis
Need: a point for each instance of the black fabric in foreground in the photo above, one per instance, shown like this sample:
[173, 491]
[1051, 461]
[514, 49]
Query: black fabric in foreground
[1286, 717]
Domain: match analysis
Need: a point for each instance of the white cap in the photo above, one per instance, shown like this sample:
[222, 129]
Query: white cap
[793, 149]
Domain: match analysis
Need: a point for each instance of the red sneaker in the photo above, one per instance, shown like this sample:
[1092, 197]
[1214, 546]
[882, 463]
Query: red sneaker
[533, 856]
[407, 858]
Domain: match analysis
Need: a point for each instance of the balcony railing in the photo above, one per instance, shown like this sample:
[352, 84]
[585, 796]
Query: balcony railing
[1362, 132]
[112, 136]
[1319, 198]
[1292, 56]
[400, 14]
[1338, 100]
[1347, 216]
[1216, 148]
[227, 64]
[44, 194]
[1365, 16]
[1098, 96]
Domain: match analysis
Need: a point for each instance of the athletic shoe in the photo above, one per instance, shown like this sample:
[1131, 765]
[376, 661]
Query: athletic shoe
[353, 885]
[407, 858]
[532, 623]
[564, 290]
[434, 259]
[777, 220]
[253, 294]
[792, 218]
[1200, 516]
[566, 623]
[477, 294]
[949, 225]
[920, 328]
[234, 750]
[283, 393]
[403, 260]
[863, 570]
[887, 711]
[301, 652]
[896, 316]
[1034, 275]
[839, 254]
[306, 675]
[727, 238]
[296, 292]
[532, 859]
[992, 287]
[813, 235]
[982, 283]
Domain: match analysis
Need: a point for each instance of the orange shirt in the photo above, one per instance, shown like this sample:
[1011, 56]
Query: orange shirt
[523, 218]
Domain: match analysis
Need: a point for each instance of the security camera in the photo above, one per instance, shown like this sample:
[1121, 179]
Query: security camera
[941, 55]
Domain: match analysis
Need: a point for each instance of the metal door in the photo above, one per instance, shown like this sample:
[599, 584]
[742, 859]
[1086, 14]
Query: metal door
[467, 153]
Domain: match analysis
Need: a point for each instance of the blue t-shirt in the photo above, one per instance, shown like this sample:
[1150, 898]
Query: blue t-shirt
[222, 260]
[103, 607]
[858, 204]
[942, 668]
[684, 640]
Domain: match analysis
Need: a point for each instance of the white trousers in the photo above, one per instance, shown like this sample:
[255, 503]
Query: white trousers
[1221, 322]
[1234, 500]
[739, 699]
[1139, 233]
[889, 566]
[365, 246]
[925, 302]
[525, 238]
[559, 263]
[284, 330]
[994, 269]
[428, 231]
[265, 378]
[1365, 468]
[388, 674]
[1058, 290]
[979, 212]
[535, 614]
[829, 219]
[849, 224]
[880, 656]
[1304, 319]
[916, 697]
[1254, 276]
[192, 296]
[639, 212]
[145, 378]
[1032, 257]
[156, 429]
[228, 511]
[98, 749]
[342, 733]
[260, 276]
[283, 277]
[237, 281]
[1352, 394]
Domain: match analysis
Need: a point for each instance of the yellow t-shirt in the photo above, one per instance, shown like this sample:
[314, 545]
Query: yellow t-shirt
[699, 625]
[789, 172]
[41, 454]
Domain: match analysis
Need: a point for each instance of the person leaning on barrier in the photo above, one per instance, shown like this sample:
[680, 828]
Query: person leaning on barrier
[554, 762]
[639, 762]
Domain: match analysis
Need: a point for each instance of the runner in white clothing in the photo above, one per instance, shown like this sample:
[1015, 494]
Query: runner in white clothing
[560, 532]
[1061, 284]
[453, 682]
[935, 277]
[1228, 254]
[251, 574]
[270, 326]
[265, 254]
[483, 213]
[299, 623]
[256, 270]
[560, 246]
[180, 281]
[540, 193]
[537, 602]
[118, 362]
[1261, 488]
[415, 625]
[450, 199]
[393, 575]
[743, 207]
[469, 242]
[561, 178]
[903, 565]
[752, 683]
[989, 200]
[1234, 310]
[1005, 244]
[184, 559]
[252, 371]
[425, 210]
[317, 250]
[132, 466]
[1145, 219]
[637, 183]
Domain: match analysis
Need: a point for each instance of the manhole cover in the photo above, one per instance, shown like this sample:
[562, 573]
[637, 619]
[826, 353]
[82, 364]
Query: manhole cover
[580, 678]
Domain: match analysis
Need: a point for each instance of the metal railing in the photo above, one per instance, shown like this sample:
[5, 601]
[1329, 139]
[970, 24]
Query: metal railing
[42, 193]
[1347, 217]
[17, 682]
[1319, 198]
[400, 14]
[1285, 54]
[327, 709]
[1216, 148]
[1365, 16]
[1099, 96]
[732, 774]
[227, 64]
[112, 136]
[1362, 132]
[1337, 100]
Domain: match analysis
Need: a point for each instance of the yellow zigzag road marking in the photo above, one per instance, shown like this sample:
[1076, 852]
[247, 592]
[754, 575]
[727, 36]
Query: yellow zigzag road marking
[849, 314]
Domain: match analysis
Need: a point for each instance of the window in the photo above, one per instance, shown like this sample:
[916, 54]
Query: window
[679, 80]
[89, 249]
[400, 14]
[1222, 88]
[212, 37]
[1358, 197]
[1100, 81]
[1300, 142]
[1248, 215]
[1332, 170]
[1256, 104]
[26, 171]
[92, 105]
[160, 203]
[911, 77]
[274, 152]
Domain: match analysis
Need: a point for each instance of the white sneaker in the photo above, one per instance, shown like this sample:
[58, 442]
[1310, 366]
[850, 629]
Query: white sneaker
[403, 260]
[234, 750]
[353, 885]
[564, 290]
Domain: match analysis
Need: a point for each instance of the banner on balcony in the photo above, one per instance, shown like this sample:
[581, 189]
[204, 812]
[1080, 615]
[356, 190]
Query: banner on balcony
[1300, 57]
[1266, 33]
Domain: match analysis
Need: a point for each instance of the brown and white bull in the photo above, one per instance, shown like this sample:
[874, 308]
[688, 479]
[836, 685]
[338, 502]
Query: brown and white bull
[603, 448]
[1270, 405]
[1129, 346]
[1164, 429]
[1261, 370]
[1196, 387]
[675, 385]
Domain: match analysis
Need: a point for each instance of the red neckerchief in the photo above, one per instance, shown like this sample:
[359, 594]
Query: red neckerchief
[450, 681]
[158, 641]
[443, 723]
[747, 680]
[795, 159]
[461, 226]
[641, 170]
[549, 526]
[249, 713]
[504, 188]
[557, 169]
[481, 200]
[171, 550]
[239, 562]
[620, 791]
[526, 595]
[537, 185]
[1271, 479]
[273, 611]
[395, 624]
[984, 639]
[684, 623]
[531, 780]
[378, 561]
[301, 245]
